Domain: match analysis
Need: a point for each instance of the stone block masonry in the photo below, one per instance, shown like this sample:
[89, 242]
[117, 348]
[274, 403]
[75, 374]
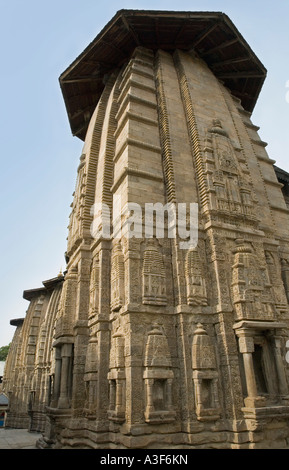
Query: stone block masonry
[142, 344]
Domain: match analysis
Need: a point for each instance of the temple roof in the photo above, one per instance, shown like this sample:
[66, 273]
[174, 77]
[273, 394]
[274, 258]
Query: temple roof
[282, 175]
[211, 35]
[48, 285]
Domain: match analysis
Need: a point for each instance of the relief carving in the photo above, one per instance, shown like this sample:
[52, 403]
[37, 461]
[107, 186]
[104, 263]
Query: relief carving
[66, 310]
[196, 284]
[231, 194]
[91, 376]
[154, 278]
[94, 287]
[158, 377]
[205, 376]
[285, 275]
[251, 287]
[116, 377]
[275, 276]
[117, 278]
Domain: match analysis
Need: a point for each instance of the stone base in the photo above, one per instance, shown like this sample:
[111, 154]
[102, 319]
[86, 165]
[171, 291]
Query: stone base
[209, 414]
[251, 433]
[160, 417]
[116, 416]
[256, 402]
[266, 412]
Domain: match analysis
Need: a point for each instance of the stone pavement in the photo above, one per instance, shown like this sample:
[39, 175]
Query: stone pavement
[18, 439]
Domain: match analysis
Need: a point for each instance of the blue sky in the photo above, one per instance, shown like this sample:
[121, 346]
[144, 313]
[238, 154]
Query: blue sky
[39, 156]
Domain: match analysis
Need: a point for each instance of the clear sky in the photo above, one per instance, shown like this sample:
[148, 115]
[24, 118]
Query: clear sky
[39, 39]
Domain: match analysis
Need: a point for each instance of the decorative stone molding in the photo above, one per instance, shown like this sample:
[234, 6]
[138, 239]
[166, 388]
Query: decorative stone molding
[196, 284]
[205, 376]
[117, 277]
[285, 275]
[116, 378]
[149, 108]
[264, 369]
[154, 277]
[251, 287]
[158, 377]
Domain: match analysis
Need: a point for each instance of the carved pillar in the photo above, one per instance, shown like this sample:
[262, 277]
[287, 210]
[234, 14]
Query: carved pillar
[154, 278]
[196, 286]
[283, 385]
[285, 276]
[250, 376]
[149, 395]
[66, 354]
[205, 376]
[117, 278]
[112, 395]
[91, 376]
[119, 396]
[116, 378]
[169, 395]
[246, 347]
[57, 376]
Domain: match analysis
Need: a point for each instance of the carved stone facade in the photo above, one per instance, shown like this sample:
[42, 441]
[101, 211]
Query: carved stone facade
[142, 343]
[29, 377]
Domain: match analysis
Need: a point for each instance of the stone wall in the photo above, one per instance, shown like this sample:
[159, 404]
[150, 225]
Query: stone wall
[28, 373]
[157, 346]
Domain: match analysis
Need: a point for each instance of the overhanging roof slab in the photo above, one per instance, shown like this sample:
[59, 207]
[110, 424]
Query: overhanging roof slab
[211, 35]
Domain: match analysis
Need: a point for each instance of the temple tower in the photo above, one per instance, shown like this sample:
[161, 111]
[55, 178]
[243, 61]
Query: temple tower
[157, 342]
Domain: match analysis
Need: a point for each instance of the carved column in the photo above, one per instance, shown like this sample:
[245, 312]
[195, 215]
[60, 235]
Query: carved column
[66, 354]
[116, 378]
[285, 276]
[169, 396]
[149, 395]
[283, 386]
[246, 347]
[91, 376]
[57, 376]
[112, 395]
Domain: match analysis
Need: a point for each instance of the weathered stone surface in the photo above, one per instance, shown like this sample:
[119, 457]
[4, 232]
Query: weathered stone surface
[144, 344]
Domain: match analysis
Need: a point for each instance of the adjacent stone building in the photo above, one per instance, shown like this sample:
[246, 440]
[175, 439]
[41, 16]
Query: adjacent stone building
[145, 343]
[28, 377]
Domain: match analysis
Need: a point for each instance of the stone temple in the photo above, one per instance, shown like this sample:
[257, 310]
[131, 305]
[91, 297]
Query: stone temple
[143, 343]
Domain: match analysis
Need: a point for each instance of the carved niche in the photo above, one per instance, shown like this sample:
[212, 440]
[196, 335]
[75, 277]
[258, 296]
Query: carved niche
[251, 287]
[275, 276]
[158, 377]
[153, 276]
[205, 376]
[116, 377]
[230, 190]
[117, 277]
[195, 281]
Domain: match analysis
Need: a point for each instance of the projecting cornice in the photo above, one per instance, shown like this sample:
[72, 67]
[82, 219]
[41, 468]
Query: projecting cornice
[210, 35]
[17, 322]
[49, 285]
